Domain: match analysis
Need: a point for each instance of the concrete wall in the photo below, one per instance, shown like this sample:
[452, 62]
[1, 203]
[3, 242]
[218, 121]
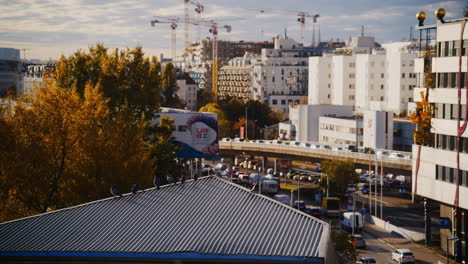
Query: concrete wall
[411, 235]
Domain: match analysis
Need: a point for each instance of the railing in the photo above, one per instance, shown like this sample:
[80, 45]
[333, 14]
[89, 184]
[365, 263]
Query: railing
[307, 151]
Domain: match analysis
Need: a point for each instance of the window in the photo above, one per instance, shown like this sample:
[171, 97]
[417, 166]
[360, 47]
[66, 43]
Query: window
[381, 98]
[329, 86]
[282, 71]
[403, 75]
[273, 79]
[275, 102]
[283, 102]
[381, 87]
[382, 75]
[329, 75]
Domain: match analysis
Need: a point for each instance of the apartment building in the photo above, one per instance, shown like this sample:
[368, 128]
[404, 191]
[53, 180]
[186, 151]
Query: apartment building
[366, 75]
[440, 172]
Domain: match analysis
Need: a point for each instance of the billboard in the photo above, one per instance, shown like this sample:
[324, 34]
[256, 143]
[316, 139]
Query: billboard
[195, 133]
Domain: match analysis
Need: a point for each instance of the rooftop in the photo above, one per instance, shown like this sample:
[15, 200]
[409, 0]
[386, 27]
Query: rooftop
[209, 219]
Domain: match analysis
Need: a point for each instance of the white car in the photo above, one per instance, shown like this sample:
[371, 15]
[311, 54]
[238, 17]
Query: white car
[403, 255]
[396, 156]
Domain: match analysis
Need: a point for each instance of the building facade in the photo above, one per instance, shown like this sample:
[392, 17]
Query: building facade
[11, 71]
[440, 172]
[187, 92]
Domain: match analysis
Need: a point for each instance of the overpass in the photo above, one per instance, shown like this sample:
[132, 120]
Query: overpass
[300, 153]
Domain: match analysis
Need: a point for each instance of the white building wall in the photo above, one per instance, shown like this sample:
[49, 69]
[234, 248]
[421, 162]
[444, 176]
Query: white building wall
[339, 130]
[320, 80]
[344, 81]
[370, 80]
[378, 129]
[187, 93]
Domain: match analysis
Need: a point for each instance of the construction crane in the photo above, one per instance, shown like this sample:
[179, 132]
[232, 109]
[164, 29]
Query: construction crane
[301, 17]
[213, 29]
[173, 21]
[199, 8]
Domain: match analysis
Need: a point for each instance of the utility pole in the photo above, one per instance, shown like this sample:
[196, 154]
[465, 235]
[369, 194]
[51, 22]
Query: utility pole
[246, 122]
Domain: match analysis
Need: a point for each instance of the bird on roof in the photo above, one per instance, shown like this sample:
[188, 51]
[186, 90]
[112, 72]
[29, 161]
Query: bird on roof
[115, 192]
[170, 180]
[182, 180]
[156, 183]
[195, 177]
[136, 188]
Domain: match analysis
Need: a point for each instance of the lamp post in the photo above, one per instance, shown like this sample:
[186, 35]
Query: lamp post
[328, 184]
[455, 238]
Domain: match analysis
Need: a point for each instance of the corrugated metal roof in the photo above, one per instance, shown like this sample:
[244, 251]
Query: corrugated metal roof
[210, 216]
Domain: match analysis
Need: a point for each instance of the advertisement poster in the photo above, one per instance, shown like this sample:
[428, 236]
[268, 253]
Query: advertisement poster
[195, 133]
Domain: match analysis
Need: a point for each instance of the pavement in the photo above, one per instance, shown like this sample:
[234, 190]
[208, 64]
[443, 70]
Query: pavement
[422, 253]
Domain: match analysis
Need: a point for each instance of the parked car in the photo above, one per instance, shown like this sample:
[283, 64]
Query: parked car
[403, 255]
[337, 148]
[301, 205]
[307, 145]
[359, 241]
[365, 260]
[410, 156]
[238, 139]
[226, 139]
[294, 143]
[314, 211]
[282, 198]
[315, 146]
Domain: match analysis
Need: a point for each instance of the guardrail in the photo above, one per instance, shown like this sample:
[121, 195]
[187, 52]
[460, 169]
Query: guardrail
[320, 153]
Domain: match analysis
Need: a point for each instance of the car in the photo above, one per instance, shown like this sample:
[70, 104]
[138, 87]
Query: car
[315, 146]
[225, 139]
[325, 147]
[350, 148]
[396, 156]
[276, 141]
[337, 148]
[382, 153]
[307, 145]
[359, 241]
[301, 205]
[314, 211]
[294, 143]
[282, 198]
[403, 255]
[365, 260]
[410, 156]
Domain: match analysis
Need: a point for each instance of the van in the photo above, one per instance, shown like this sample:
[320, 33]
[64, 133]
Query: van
[351, 220]
[269, 187]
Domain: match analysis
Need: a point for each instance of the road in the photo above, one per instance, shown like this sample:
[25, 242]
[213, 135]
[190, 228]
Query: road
[375, 248]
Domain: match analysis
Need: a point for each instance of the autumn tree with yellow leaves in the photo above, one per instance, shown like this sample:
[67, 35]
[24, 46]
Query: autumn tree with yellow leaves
[87, 128]
[60, 148]
[422, 118]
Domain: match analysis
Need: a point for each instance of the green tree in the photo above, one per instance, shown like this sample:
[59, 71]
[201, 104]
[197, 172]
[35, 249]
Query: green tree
[340, 173]
[344, 244]
[169, 86]
[204, 97]
[163, 151]
[124, 76]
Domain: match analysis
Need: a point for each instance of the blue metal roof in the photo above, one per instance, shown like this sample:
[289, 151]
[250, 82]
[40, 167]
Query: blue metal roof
[208, 218]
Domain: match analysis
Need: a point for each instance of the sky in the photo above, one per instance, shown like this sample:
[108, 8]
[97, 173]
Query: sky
[47, 29]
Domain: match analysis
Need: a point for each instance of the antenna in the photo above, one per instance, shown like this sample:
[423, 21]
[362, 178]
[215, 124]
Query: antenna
[362, 31]
[411, 33]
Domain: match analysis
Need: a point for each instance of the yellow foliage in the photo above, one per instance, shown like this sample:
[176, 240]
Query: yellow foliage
[422, 118]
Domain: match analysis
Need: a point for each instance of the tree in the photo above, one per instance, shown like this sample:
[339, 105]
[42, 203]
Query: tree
[60, 148]
[214, 108]
[340, 173]
[125, 76]
[163, 151]
[422, 118]
[169, 87]
[204, 97]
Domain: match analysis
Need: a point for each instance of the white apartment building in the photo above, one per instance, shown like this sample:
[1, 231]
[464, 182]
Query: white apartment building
[365, 76]
[281, 71]
[187, 92]
[437, 174]
[370, 79]
[341, 130]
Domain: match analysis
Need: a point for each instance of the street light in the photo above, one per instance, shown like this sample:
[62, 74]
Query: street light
[328, 184]
[455, 238]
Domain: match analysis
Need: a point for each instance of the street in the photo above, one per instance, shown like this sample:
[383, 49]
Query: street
[375, 248]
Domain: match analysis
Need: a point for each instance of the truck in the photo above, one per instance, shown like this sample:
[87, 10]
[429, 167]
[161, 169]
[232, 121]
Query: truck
[351, 220]
[331, 206]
